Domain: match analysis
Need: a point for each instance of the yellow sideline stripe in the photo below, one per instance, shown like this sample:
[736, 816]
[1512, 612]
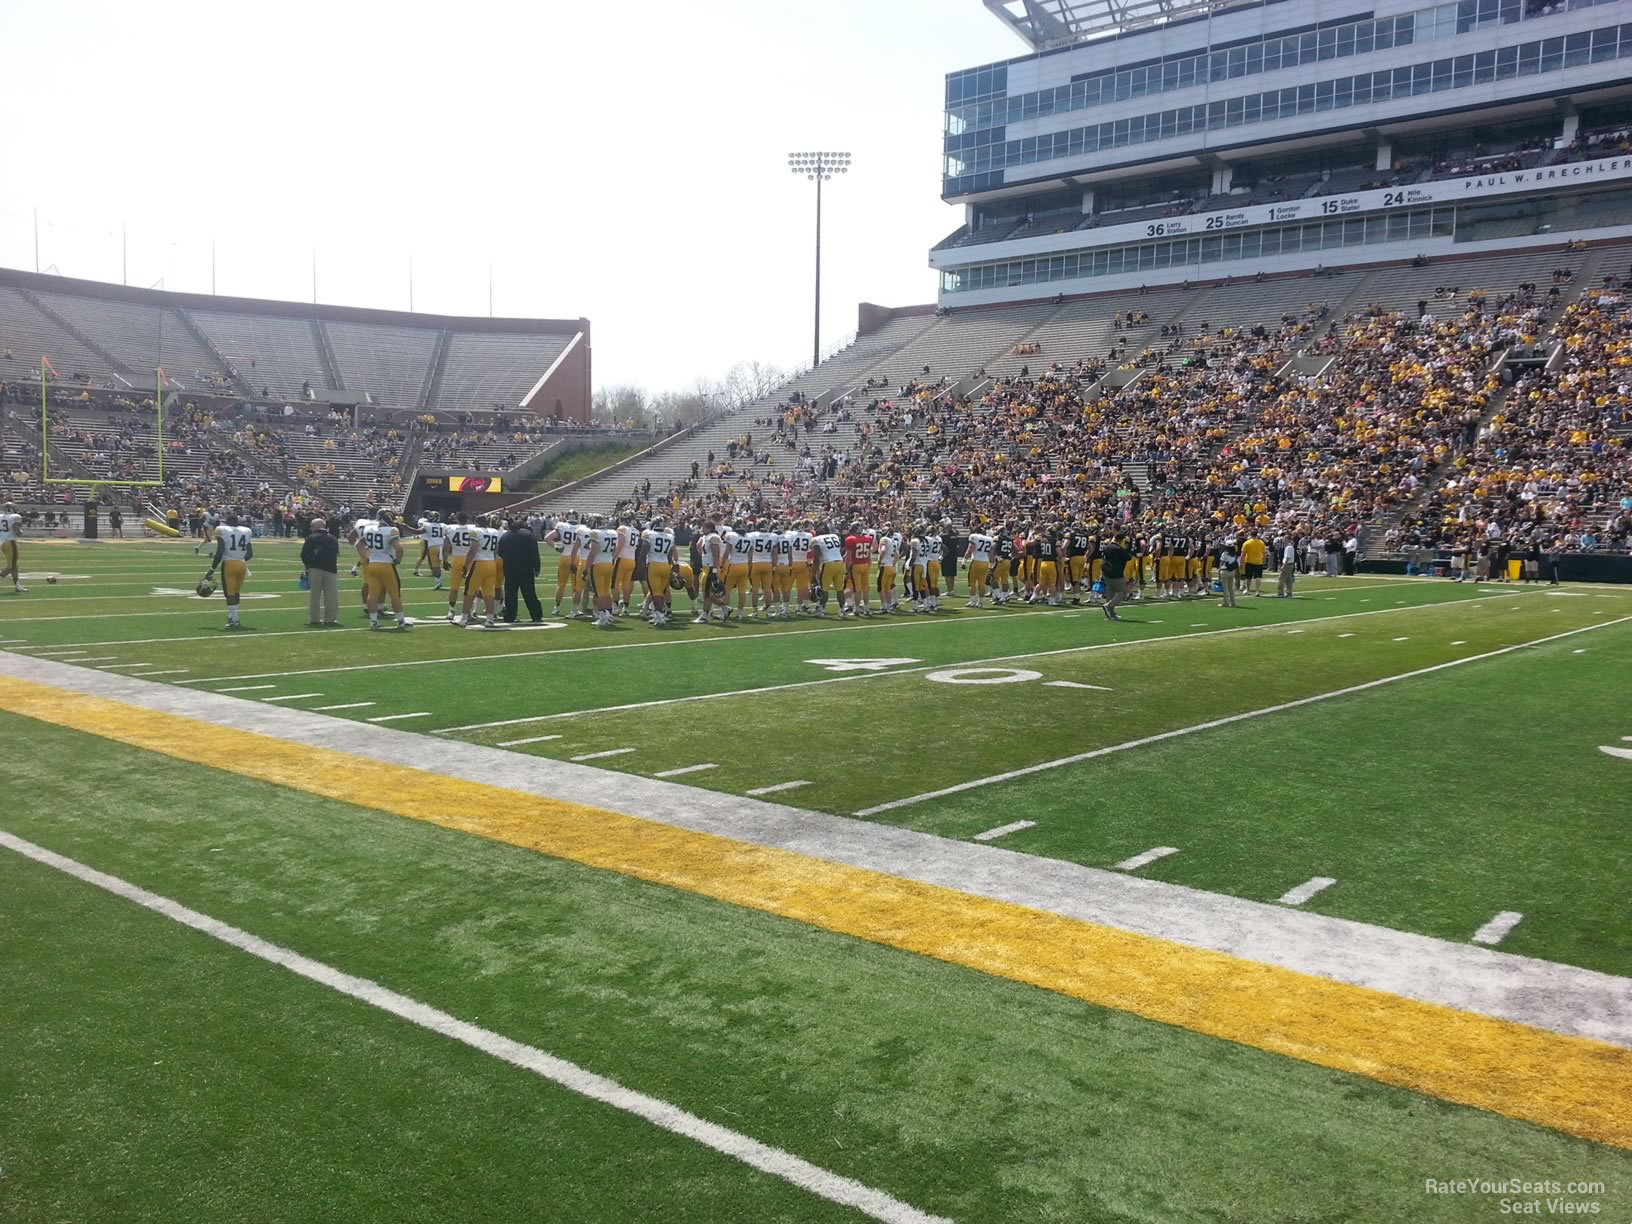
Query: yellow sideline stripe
[1570, 1084]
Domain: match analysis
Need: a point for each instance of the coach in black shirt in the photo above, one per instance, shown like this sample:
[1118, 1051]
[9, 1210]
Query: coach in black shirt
[1116, 555]
[518, 549]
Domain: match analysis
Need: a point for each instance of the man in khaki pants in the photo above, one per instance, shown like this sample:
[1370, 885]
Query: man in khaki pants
[1229, 566]
[320, 554]
[1289, 567]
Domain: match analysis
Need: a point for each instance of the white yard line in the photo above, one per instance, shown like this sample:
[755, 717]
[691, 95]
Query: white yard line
[308, 632]
[602, 755]
[900, 671]
[777, 789]
[1211, 724]
[292, 697]
[767, 1159]
[1005, 830]
[346, 705]
[1072, 684]
[93, 659]
[1302, 893]
[531, 739]
[396, 717]
[1494, 931]
[64, 653]
[169, 671]
[120, 666]
[245, 688]
[1146, 858]
[684, 769]
[1624, 754]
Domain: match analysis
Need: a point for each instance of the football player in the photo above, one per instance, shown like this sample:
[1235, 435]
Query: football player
[603, 568]
[233, 551]
[979, 556]
[829, 553]
[623, 575]
[482, 571]
[11, 530]
[659, 544]
[456, 542]
[932, 568]
[379, 549]
[712, 580]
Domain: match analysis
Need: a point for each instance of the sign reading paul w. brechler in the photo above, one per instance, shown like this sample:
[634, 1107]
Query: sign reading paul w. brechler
[1443, 191]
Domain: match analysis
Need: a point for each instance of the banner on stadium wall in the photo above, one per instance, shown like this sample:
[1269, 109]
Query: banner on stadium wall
[1541, 180]
[475, 484]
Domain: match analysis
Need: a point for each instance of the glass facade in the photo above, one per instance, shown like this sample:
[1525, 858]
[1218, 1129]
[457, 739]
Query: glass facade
[1402, 226]
[983, 162]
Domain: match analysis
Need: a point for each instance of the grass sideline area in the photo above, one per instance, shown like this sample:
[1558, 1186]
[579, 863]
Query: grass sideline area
[580, 464]
[1427, 796]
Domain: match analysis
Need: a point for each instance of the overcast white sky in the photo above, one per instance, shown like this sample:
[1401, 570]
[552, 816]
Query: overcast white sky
[624, 160]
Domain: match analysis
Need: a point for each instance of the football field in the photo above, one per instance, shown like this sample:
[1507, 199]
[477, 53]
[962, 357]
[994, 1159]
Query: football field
[1281, 912]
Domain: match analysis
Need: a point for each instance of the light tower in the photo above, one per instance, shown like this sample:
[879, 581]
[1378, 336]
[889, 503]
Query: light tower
[819, 167]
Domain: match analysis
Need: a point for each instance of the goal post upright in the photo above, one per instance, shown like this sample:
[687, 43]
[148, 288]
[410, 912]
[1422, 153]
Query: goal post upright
[92, 483]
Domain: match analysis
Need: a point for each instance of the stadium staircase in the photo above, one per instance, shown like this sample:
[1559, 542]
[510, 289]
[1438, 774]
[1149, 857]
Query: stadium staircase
[325, 351]
[225, 367]
[433, 374]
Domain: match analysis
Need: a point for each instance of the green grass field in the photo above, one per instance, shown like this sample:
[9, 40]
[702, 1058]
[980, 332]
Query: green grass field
[1435, 750]
[578, 464]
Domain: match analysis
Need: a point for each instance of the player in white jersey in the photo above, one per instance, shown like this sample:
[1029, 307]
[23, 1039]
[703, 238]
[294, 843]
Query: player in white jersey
[798, 539]
[233, 551]
[917, 582]
[457, 539]
[482, 570]
[781, 572]
[563, 537]
[982, 548]
[828, 570]
[932, 569]
[583, 562]
[208, 522]
[889, 557]
[379, 549]
[370, 519]
[430, 540]
[761, 561]
[603, 568]
[716, 560]
[659, 542]
[11, 531]
[623, 572]
[739, 556]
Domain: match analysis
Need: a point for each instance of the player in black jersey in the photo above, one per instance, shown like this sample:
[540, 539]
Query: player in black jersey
[1048, 566]
[1003, 569]
[1076, 552]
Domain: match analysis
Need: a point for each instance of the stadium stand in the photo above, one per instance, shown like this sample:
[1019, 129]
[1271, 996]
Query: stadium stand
[1310, 400]
[1374, 399]
[495, 371]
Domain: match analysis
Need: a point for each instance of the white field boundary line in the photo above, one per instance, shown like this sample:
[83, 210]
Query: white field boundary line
[834, 626]
[762, 1156]
[900, 671]
[1213, 724]
[1009, 614]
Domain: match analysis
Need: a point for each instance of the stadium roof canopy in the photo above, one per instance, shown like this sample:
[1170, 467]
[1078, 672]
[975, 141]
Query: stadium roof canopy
[1047, 24]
